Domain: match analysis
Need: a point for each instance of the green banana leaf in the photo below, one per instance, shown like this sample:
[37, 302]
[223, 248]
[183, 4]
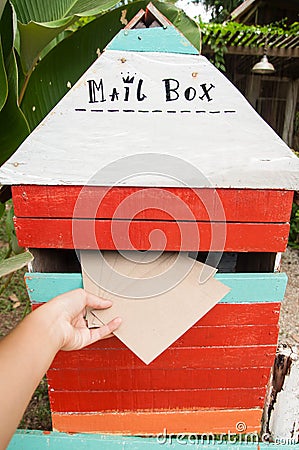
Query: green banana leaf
[64, 65]
[35, 36]
[40, 21]
[188, 27]
[13, 125]
[3, 76]
[14, 263]
[52, 10]
[2, 4]
[3, 79]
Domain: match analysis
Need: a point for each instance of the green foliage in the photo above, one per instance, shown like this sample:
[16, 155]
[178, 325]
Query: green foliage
[10, 265]
[238, 33]
[217, 36]
[11, 116]
[53, 45]
[39, 22]
[12, 257]
[294, 227]
[220, 9]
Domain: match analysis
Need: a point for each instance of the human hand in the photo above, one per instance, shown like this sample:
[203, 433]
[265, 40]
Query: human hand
[68, 311]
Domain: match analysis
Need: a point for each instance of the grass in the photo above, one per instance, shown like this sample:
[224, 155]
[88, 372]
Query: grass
[14, 305]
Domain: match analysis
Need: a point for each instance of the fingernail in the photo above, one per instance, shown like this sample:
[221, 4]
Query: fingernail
[117, 320]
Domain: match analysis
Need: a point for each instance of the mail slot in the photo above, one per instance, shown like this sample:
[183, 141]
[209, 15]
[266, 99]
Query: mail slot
[154, 150]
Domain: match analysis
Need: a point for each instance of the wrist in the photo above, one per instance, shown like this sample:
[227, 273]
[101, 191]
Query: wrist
[46, 320]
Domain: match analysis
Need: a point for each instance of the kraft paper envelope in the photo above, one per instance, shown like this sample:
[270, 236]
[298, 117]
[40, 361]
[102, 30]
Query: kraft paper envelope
[158, 297]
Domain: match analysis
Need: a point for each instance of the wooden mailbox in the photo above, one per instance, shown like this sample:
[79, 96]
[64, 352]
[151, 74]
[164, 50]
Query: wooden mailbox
[152, 105]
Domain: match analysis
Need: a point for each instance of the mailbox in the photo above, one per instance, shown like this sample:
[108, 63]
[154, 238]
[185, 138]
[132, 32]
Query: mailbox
[154, 148]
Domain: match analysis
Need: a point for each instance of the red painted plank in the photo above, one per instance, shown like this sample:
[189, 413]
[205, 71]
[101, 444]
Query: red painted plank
[228, 335]
[239, 205]
[196, 357]
[89, 401]
[170, 236]
[99, 379]
[214, 336]
[224, 314]
[242, 314]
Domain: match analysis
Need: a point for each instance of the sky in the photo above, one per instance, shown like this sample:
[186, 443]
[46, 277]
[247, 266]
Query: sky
[194, 10]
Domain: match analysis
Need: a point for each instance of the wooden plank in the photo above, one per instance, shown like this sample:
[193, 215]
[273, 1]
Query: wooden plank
[97, 378]
[151, 423]
[239, 205]
[159, 39]
[245, 288]
[96, 401]
[253, 287]
[290, 111]
[226, 336]
[243, 314]
[42, 287]
[133, 22]
[153, 13]
[283, 405]
[212, 336]
[172, 236]
[42, 440]
[197, 422]
[280, 52]
[199, 358]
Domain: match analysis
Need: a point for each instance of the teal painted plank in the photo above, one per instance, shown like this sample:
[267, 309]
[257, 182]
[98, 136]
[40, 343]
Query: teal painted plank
[245, 288]
[37, 440]
[162, 40]
[254, 287]
[42, 287]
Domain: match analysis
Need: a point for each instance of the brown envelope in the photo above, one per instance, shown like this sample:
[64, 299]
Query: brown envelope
[158, 297]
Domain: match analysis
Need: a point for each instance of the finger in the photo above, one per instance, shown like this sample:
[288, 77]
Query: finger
[105, 331]
[79, 321]
[75, 301]
[96, 302]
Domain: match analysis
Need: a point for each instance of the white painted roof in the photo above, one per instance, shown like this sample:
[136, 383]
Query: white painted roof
[218, 140]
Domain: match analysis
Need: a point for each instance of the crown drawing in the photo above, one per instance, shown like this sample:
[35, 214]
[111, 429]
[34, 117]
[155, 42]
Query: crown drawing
[128, 80]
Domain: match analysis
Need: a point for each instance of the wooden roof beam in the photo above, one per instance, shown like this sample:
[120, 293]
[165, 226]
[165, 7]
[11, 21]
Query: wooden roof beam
[243, 8]
[280, 52]
[148, 18]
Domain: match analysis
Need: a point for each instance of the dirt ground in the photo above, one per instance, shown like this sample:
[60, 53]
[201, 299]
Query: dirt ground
[14, 304]
[289, 316]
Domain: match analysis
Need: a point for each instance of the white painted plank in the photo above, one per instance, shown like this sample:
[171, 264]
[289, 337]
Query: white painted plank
[226, 145]
[284, 421]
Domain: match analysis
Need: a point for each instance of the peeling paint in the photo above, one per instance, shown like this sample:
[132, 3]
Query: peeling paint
[123, 19]
[281, 410]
